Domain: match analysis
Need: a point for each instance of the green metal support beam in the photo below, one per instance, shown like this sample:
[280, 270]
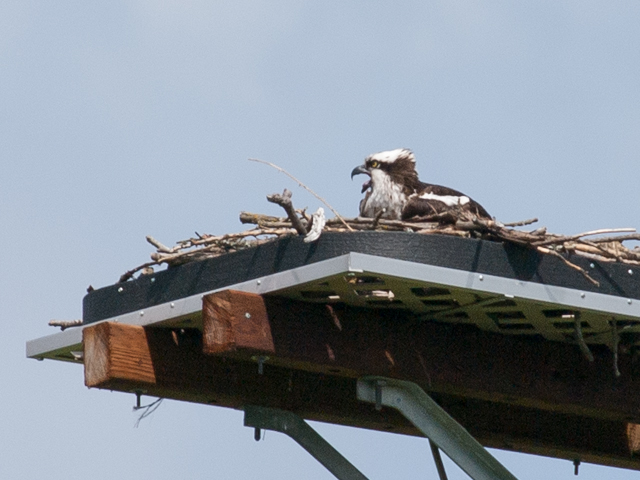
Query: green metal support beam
[291, 424]
[436, 424]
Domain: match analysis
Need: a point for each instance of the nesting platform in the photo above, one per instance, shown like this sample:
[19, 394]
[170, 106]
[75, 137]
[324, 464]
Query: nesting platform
[488, 330]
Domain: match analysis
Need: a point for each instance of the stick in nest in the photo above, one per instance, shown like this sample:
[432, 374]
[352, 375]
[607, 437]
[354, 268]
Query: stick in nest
[284, 201]
[569, 238]
[376, 219]
[280, 169]
[521, 223]
[64, 324]
[569, 264]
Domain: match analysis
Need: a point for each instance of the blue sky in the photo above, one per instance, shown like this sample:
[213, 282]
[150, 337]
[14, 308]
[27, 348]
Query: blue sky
[126, 119]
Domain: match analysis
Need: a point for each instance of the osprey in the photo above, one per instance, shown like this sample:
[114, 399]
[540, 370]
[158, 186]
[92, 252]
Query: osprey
[395, 188]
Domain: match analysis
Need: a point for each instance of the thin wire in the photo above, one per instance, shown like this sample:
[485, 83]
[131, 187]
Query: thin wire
[148, 410]
[280, 169]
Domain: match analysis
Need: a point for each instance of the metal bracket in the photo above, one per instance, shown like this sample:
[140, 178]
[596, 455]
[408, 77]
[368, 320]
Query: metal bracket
[291, 424]
[436, 424]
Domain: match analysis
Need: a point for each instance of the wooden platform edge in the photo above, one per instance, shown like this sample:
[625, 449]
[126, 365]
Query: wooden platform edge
[450, 359]
[170, 363]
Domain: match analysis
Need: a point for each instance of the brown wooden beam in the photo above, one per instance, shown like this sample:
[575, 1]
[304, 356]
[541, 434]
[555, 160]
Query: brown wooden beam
[454, 359]
[170, 363]
[241, 324]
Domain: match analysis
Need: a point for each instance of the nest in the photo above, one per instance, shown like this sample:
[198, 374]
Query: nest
[602, 245]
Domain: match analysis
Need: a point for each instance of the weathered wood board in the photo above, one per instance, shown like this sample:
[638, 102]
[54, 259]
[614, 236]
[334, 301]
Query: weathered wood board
[534, 396]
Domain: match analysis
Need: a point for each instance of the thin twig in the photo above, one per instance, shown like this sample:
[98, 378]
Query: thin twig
[521, 223]
[620, 238]
[161, 247]
[539, 231]
[130, 273]
[561, 238]
[569, 264]
[258, 218]
[280, 169]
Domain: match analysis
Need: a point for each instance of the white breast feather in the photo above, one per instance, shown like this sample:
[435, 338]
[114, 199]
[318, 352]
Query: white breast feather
[384, 194]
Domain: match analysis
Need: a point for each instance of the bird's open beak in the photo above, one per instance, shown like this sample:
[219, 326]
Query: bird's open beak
[358, 170]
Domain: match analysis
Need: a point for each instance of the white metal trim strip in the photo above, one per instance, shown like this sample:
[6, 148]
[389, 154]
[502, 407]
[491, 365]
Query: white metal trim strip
[192, 304]
[568, 297]
[359, 262]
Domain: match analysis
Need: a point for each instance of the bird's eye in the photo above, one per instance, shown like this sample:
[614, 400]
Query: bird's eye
[375, 164]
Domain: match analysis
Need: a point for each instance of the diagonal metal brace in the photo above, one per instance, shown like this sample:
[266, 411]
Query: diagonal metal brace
[291, 424]
[436, 424]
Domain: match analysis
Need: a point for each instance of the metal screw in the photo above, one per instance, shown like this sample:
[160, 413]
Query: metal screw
[582, 295]
[481, 277]
[120, 290]
[247, 315]
[592, 265]
[172, 305]
[629, 301]
[630, 272]
[142, 313]
[259, 282]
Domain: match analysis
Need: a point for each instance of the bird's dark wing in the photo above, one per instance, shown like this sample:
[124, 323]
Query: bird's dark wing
[434, 199]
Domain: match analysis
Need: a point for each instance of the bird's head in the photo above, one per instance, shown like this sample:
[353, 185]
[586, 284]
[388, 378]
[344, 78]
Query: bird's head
[399, 165]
